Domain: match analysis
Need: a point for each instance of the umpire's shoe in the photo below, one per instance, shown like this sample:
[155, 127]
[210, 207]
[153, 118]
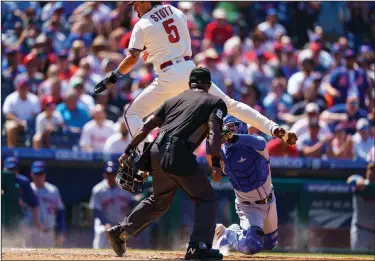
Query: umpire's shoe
[200, 251]
[117, 238]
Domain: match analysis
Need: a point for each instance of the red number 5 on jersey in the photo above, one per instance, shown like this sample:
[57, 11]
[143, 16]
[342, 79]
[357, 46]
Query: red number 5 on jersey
[171, 28]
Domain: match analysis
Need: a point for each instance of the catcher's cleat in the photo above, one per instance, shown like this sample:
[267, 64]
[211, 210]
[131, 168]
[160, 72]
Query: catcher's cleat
[219, 235]
[117, 239]
[200, 251]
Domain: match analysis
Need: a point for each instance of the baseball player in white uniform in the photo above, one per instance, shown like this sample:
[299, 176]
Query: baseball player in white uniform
[162, 37]
[109, 204]
[51, 211]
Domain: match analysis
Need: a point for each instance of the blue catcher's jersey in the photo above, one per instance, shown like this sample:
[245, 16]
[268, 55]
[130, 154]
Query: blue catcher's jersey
[246, 168]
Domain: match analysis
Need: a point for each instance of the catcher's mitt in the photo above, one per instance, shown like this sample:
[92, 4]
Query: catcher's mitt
[127, 177]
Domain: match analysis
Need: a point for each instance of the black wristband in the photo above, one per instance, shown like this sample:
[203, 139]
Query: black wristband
[112, 78]
[129, 150]
[215, 162]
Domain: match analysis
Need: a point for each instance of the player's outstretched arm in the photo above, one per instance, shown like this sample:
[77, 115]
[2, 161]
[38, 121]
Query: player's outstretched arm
[125, 66]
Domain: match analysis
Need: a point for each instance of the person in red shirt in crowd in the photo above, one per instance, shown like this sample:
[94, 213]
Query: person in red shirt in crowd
[217, 32]
[67, 69]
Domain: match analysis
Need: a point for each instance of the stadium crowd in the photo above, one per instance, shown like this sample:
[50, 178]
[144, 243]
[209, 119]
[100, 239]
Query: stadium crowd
[272, 56]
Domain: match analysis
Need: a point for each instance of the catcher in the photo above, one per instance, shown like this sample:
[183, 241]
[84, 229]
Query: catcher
[246, 162]
[184, 122]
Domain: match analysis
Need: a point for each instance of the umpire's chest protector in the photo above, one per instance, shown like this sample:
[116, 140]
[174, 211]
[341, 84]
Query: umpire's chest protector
[245, 167]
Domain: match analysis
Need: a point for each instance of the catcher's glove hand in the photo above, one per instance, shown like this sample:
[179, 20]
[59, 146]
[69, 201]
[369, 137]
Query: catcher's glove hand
[106, 83]
[127, 175]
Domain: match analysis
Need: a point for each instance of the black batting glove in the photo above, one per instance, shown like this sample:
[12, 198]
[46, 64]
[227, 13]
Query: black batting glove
[106, 83]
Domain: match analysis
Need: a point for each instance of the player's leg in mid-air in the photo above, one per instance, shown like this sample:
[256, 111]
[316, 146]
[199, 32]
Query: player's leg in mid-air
[171, 81]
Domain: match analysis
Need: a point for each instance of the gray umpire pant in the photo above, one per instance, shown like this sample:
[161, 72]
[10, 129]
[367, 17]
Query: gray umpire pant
[165, 185]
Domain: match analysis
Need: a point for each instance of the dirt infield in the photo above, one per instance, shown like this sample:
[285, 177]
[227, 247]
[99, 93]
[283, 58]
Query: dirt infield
[132, 254]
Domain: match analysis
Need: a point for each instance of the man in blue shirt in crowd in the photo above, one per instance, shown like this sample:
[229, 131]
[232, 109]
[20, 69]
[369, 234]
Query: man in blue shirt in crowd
[347, 81]
[246, 162]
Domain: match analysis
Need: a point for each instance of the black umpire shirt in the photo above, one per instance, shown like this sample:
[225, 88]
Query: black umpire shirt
[186, 115]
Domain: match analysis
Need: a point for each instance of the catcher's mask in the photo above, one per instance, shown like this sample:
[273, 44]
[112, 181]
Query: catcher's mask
[235, 126]
[127, 177]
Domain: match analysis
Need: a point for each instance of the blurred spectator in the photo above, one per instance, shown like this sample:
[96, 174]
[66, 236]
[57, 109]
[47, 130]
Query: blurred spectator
[201, 17]
[55, 87]
[342, 145]
[310, 94]
[232, 71]
[86, 100]
[32, 75]
[74, 114]
[10, 68]
[51, 208]
[277, 101]
[97, 131]
[143, 82]
[99, 14]
[271, 28]
[47, 122]
[338, 55]
[347, 113]
[66, 68]
[112, 111]
[28, 200]
[288, 62]
[322, 60]
[311, 116]
[99, 44]
[311, 145]
[20, 107]
[251, 95]
[363, 141]
[78, 32]
[261, 73]
[239, 43]
[211, 62]
[347, 81]
[217, 32]
[115, 40]
[297, 80]
[77, 52]
[362, 226]
[118, 141]
[90, 78]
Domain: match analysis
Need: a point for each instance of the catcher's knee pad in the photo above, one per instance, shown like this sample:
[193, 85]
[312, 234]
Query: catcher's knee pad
[254, 240]
[271, 240]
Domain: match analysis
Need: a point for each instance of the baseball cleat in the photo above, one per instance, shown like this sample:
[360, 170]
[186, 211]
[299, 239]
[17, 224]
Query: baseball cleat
[200, 251]
[219, 234]
[117, 238]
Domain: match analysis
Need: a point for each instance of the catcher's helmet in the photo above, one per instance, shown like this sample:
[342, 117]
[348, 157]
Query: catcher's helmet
[235, 125]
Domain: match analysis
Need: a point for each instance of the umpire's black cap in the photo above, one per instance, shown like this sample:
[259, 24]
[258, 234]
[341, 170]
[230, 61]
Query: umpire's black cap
[200, 75]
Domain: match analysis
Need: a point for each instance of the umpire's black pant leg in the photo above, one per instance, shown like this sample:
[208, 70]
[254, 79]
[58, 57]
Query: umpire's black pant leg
[199, 189]
[151, 208]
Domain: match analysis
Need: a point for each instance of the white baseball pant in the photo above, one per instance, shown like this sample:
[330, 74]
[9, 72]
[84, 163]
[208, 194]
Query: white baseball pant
[172, 81]
[100, 238]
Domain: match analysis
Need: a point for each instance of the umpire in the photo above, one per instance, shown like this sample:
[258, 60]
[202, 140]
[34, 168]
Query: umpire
[184, 122]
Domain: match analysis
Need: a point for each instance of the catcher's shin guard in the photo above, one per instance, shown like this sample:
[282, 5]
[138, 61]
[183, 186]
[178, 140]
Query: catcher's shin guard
[117, 239]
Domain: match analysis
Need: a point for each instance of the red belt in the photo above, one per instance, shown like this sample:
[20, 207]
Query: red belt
[169, 63]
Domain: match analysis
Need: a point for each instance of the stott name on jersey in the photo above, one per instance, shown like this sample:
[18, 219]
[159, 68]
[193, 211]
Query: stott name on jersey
[162, 13]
